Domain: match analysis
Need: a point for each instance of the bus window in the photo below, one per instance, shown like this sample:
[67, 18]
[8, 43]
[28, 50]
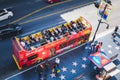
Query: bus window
[52, 51]
[63, 45]
[32, 57]
[72, 41]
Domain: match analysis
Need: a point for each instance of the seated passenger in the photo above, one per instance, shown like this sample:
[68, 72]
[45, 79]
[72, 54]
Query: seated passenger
[84, 27]
[60, 30]
[63, 28]
[71, 30]
[32, 38]
[74, 25]
[37, 37]
[54, 33]
[66, 34]
[45, 33]
[52, 39]
[24, 44]
[80, 25]
[49, 33]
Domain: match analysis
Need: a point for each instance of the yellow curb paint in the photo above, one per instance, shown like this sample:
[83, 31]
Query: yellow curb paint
[52, 14]
[16, 62]
[36, 11]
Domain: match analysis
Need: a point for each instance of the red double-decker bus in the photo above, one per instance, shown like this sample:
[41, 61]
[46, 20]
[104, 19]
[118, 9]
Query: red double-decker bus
[39, 46]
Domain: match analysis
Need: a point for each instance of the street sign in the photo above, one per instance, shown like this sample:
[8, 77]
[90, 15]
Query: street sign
[104, 14]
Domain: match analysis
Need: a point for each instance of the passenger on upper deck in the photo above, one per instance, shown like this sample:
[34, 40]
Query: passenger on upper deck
[57, 33]
[24, 44]
[64, 29]
[49, 33]
[32, 39]
[80, 25]
[74, 26]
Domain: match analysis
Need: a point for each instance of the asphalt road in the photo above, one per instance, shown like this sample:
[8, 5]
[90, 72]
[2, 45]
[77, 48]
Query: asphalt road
[20, 9]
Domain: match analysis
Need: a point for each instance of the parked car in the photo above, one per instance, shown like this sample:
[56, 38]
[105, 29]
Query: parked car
[9, 30]
[52, 1]
[5, 14]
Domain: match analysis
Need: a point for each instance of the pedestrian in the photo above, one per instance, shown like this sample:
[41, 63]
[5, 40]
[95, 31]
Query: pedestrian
[46, 69]
[115, 31]
[55, 69]
[57, 61]
[93, 46]
[39, 69]
[98, 46]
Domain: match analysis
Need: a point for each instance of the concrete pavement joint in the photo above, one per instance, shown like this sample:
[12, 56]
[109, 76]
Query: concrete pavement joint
[36, 11]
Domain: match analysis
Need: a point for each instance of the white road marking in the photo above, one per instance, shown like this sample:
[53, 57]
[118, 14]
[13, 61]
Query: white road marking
[117, 48]
[102, 49]
[109, 46]
[109, 51]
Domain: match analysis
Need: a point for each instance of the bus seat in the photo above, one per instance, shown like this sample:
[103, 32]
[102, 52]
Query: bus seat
[33, 37]
[66, 25]
[39, 35]
[51, 30]
[27, 39]
[69, 24]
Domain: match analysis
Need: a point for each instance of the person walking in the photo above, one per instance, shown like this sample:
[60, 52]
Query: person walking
[115, 31]
[93, 46]
[57, 61]
[98, 46]
[39, 69]
[55, 69]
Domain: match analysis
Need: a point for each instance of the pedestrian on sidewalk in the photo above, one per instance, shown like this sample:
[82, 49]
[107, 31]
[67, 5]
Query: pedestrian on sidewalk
[98, 46]
[46, 69]
[57, 61]
[93, 46]
[115, 31]
[39, 69]
[55, 69]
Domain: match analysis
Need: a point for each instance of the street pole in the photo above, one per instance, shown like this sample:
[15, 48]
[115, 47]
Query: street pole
[100, 21]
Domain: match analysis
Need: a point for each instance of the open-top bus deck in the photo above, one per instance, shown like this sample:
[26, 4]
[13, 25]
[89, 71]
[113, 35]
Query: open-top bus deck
[39, 46]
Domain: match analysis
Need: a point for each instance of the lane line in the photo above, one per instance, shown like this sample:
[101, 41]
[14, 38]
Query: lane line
[34, 19]
[36, 11]
[98, 36]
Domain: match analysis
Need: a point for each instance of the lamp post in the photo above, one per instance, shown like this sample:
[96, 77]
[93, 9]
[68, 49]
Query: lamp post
[100, 21]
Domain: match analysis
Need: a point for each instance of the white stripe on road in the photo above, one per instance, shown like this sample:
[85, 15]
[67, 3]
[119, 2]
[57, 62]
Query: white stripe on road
[97, 37]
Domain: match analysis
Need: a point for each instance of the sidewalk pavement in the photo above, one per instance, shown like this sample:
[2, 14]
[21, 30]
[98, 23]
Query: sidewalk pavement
[75, 63]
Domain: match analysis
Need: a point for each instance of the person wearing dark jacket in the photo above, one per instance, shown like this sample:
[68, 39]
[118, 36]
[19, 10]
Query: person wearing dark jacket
[115, 31]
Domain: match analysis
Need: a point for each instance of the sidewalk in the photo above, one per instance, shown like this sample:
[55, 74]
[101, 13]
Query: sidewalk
[75, 63]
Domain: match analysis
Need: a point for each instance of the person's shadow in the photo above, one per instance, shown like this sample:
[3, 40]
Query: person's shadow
[118, 35]
[116, 42]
